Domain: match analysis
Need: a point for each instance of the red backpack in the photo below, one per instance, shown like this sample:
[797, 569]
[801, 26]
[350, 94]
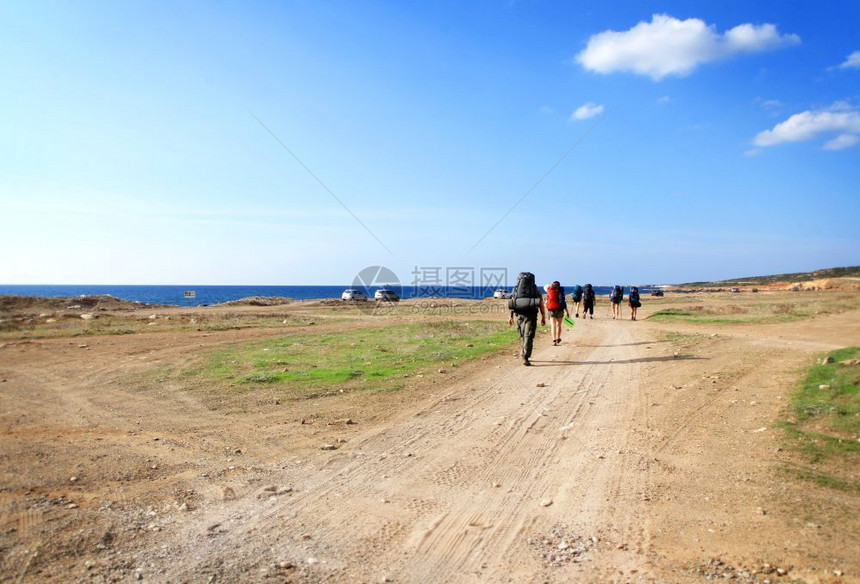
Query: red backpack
[553, 298]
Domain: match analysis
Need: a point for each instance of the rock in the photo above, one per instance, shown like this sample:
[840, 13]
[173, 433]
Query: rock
[541, 385]
[153, 316]
[545, 502]
[850, 362]
[312, 561]
[87, 316]
[824, 386]
[827, 360]
[328, 447]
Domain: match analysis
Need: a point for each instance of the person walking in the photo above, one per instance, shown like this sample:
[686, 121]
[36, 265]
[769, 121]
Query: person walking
[556, 304]
[635, 303]
[588, 299]
[576, 297]
[526, 301]
[616, 295]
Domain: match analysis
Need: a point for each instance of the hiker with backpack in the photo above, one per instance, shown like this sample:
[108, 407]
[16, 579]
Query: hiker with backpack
[576, 297]
[635, 303]
[616, 295]
[588, 299]
[556, 304]
[526, 301]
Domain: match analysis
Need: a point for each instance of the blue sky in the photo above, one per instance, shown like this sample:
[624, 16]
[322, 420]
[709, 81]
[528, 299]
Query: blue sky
[299, 142]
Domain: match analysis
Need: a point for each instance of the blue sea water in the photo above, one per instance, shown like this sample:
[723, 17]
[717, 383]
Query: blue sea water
[208, 295]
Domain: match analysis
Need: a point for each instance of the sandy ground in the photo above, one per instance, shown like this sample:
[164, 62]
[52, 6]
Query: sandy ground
[626, 454]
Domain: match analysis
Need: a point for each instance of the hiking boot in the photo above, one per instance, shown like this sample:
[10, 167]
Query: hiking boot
[526, 362]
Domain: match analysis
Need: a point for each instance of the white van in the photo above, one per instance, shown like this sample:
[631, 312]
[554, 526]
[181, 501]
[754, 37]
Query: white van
[353, 294]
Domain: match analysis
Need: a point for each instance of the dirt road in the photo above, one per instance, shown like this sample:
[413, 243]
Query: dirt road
[633, 452]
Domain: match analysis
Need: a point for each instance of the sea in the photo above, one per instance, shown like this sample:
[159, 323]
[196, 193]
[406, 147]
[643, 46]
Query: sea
[190, 295]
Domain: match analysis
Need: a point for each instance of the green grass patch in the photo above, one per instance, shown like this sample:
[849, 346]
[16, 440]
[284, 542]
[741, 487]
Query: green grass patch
[698, 315]
[368, 359]
[825, 421]
[831, 393]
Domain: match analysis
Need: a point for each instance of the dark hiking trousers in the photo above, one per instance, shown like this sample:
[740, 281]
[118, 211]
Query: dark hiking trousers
[527, 325]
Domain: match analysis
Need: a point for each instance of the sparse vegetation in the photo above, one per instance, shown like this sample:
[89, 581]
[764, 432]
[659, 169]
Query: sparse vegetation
[369, 359]
[756, 309]
[845, 272]
[825, 421]
[72, 325]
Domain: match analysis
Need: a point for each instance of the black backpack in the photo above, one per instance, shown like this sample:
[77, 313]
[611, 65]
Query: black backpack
[525, 297]
[588, 295]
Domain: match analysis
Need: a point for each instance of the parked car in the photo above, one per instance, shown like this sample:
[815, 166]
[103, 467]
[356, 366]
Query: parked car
[502, 293]
[386, 295]
[353, 294]
[656, 292]
[736, 290]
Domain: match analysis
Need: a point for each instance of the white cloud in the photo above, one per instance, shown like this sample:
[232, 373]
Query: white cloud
[840, 119]
[587, 110]
[668, 46]
[546, 110]
[664, 100]
[842, 141]
[852, 62]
